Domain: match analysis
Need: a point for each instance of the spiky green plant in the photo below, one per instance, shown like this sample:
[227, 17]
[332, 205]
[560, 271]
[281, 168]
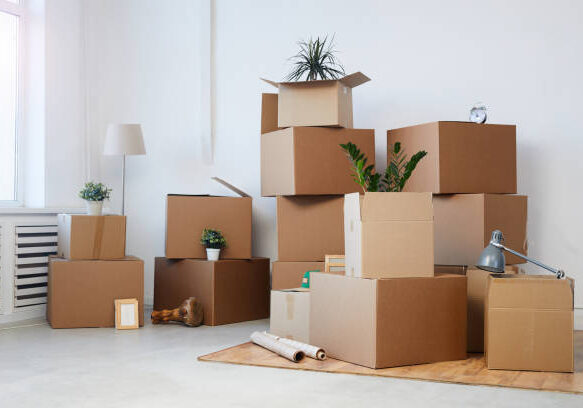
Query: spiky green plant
[316, 60]
[395, 175]
[211, 238]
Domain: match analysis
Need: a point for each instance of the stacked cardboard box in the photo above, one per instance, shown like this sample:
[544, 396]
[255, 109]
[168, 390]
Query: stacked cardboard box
[233, 289]
[91, 271]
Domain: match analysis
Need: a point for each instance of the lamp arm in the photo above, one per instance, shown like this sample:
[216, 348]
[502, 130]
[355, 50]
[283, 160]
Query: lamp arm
[558, 273]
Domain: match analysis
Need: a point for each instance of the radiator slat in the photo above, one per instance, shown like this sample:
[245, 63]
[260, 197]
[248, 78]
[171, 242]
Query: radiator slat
[37, 250]
[36, 229]
[31, 271]
[33, 260]
[36, 240]
[31, 291]
[30, 281]
[30, 301]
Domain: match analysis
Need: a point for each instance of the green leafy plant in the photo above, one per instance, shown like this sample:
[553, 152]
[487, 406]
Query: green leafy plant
[95, 192]
[316, 59]
[395, 176]
[213, 239]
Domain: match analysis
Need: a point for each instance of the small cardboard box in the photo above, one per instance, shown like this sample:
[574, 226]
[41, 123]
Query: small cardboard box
[317, 103]
[388, 235]
[188, 215]
[464, 225]
[309, 227]
[529, 323]
[288, 275]
[91, 236]
[462, 157]
[230, 291]
[381, 323]
[81, 293]
[310, 161]
[290, 314]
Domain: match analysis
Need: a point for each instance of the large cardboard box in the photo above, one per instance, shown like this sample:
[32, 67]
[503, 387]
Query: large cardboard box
[309, 228]
[310, 161]
[388, 235]
[81, 293]
[230, 291]
[464, 225]
[188, 215]
[529, 323]
[317, 103]
[382, 323]
[462, 157]
[91, 236]
[290, 314]
[288, 275]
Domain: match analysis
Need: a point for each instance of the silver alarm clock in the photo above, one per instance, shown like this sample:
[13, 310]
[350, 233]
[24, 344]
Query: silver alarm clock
[478, 113]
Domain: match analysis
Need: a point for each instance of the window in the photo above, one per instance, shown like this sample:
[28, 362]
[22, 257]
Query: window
[10, 28]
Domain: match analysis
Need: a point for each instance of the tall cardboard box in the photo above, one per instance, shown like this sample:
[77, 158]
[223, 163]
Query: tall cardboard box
[388, 235]
[81, 293]
[188, 215]
[290, 314]
[288, 275]
[91, 236]
[381, 323]
[462, 157]
[529, 323]
[464, 225]
[309, 228]
[230, 291]
[310, 161]
[317, 103]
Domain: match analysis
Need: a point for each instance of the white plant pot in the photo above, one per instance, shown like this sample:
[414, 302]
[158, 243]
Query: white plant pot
[212, 254]
[94, 207]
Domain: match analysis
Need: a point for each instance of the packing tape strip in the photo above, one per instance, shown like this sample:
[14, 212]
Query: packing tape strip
[98, 237]
[290, 302]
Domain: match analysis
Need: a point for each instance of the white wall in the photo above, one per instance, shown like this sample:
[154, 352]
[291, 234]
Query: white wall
[428, 61]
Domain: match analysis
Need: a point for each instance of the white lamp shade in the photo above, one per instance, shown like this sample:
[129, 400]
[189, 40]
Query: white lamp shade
[124, 139]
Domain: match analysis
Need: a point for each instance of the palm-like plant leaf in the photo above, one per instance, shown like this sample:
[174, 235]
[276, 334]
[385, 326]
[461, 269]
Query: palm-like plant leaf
[315, 60]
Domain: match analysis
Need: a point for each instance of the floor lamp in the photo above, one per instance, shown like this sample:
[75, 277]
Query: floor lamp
[124, 140]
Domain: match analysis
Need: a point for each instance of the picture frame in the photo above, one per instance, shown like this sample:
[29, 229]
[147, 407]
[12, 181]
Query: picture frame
[126, 314]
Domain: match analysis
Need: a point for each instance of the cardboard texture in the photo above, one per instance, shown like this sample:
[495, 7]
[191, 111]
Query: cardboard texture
[464, 225]
[188, 215]
[81, 293]
[290, 314]
[308, 228]
[230, 291]
[288, 275]
[310, 161]
[317, 103]
[269, 113]
[91, 236]
[381, 323]
[462, 157]
[388, 235]
[529, 323]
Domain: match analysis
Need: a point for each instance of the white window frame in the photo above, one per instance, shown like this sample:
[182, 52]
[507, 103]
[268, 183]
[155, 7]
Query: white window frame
[20, 11]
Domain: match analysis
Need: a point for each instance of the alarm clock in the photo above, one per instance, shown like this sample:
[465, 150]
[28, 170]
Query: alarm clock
[478, 113]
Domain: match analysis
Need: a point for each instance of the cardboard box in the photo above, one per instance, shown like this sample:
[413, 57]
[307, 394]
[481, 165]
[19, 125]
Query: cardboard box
[388, 235]
[288, 275]
[290, 314]
[529, 323]
[188, 215]
[317, 103]
[309, 228]
[462, 157]
[230, 291]
[381, 323]
[464, 225]
[310, 161]
[81, 293]
[269, 113]
[91, 236]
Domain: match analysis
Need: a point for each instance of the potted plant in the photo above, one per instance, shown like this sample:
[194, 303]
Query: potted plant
[316, 59]
[214, 241]
[94, 194]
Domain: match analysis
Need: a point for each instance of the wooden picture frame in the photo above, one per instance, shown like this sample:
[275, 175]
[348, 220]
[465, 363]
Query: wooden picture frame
[126, 314]
[334, 263]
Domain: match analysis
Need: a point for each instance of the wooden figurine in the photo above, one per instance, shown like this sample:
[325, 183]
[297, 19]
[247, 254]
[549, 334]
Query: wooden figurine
[190, 313]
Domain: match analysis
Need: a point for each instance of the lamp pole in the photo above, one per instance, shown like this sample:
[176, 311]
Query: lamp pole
[558, 272]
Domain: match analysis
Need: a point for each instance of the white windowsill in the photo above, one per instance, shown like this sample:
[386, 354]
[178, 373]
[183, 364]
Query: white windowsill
[28, 210]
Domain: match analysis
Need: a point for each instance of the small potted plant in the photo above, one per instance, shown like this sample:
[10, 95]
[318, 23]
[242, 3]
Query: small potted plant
[214, 241]
[94, 194]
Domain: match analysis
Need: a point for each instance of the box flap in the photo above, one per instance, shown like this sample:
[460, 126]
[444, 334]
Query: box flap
[352, 234]
[272, 83]
[529, 292]
[351, 81]
[293, 290]
[230, 187]
[397, 207]
[269, 106]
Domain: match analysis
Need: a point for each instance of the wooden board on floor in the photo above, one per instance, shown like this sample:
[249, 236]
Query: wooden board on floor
[471, 371]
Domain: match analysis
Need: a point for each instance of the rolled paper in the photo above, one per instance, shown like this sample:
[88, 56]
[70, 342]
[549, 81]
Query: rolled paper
[277, 347]
[314, 352]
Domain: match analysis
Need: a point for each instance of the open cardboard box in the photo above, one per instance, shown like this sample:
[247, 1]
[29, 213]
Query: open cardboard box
[316, 103]
[388, 235]
[462, 157]
[290, 314]
[188, 215]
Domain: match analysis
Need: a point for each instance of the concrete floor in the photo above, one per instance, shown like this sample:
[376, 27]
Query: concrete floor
[157, 366]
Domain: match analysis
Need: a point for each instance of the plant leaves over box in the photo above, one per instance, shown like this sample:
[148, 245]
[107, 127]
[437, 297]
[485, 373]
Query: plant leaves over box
[316, 60]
